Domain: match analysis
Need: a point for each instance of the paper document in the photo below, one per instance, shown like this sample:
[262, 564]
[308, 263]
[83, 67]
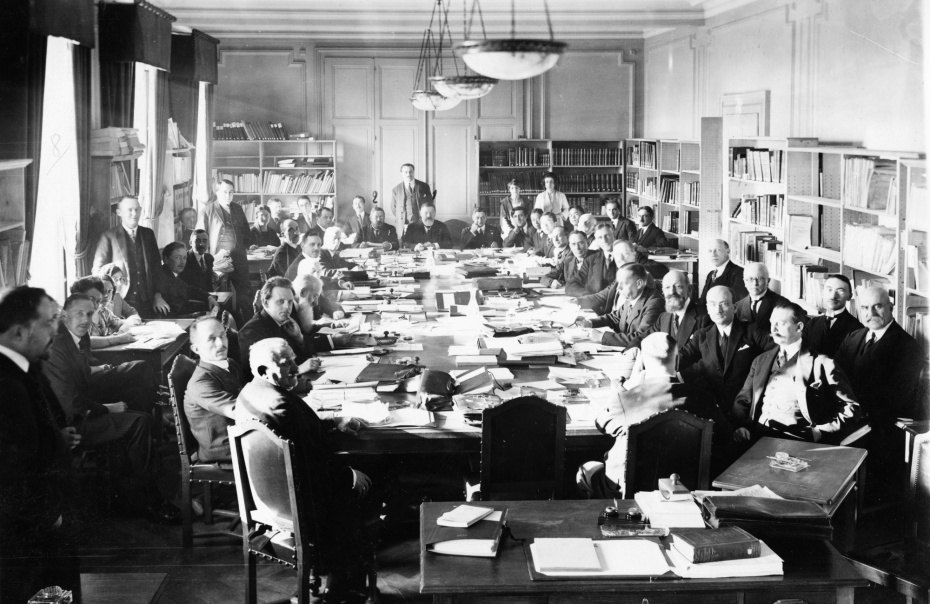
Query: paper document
[407, 417]
[619, 558]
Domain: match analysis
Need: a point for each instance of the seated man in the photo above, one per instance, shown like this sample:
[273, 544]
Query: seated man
[481, 234]
[269, 398]
[106, 329]
[309, 310]
[683, 316]
[174, 297]
[586, 224]
[535, 219]
[263, 233]
[725, 272]
[333, 243]
[309, 214]
[825, 333]
[647, 234]
[757, 307]
[314, 259]
[564, 271]
[210, 400]
[108, 403]
[521, 235]
[377, 233]
[358, 220]
[790, 393]
[628, 307]
[275, 321]
[598, 270]
[559, 238]
[660, 391]
[574, 217]
[288, 251]
[278, 214]
[427, 232]
[542, 245]
[623, 227]
[198, 271]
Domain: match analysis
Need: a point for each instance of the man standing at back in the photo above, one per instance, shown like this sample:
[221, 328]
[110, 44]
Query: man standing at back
[228, 229]
[133, 248]
[407, 197]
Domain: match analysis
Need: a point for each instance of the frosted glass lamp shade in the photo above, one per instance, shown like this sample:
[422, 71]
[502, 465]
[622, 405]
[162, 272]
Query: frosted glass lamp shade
[510, 59]
[430, 100]
[466, 87]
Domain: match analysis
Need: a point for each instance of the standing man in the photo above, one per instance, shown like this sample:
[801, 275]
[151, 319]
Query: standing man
[757, 307]
[481, 234]
[825, 333]
[408, 195]
[624, 229]
[378, 234]
[228, 229]
[133, 248]
[647, 234]
[427, 232]
[359, 219]
[725, 273]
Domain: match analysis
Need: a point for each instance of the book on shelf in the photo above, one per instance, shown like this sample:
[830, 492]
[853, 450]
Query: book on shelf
[119, 181]
[870, 184]
[243, 130]
[702, 545]
[642, 154]
[917, 275]
[244, 183]
[760, 210]
[119, 143]
[668, 189]
[874, 250]
[481, 539]
[587, 157]
[495, 181]
[918, 205]
[799, 230]
[763, 165]
[915, 321]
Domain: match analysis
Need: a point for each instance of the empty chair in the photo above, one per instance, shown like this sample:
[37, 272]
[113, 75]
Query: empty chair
[671, 442]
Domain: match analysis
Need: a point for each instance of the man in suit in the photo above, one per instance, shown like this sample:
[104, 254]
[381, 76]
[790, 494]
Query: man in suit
[623, 227]
[177, 297]
[646, 234]
[724, 273]
[598, 271]
[718, 357]
[377, 233]
[270, 398]
[757, 307]
[792, 393]
[275, 321]
[35, 463]
[521, 235]
[358, 220]
[198, 271]
[210, 400]
[825, 333]
[309, 213]
[628, 307]
[288, 251]
[683, 316]
[134, 248]
[559, 238]
[187, 219]
[481, 234]
[108, 403]
[565, 270]
[660, 391]
[427, 232]
[587, 224]
[278, 214]
[228, 229]
[262, 232]
[542, 244]
[314, 259]
[408, 196]
[310, 308]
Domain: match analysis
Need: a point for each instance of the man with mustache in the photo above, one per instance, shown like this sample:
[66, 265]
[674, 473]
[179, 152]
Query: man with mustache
[683, 316]
[825, 333]
[288, 251]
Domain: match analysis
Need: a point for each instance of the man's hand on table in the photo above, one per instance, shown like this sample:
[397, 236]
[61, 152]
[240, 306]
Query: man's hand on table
[160, 305]
[130, 321]
[120, 407]
[362, 483]
[585, 323]
[120, 338]
[350, 425]
[311, 364]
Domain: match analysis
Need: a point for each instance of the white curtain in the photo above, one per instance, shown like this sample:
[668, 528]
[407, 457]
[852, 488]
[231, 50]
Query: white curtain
[58, 203]
[203, 186]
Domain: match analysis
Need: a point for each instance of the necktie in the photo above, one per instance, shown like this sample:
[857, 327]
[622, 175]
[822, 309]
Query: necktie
[132, 235]
[781, 360]
[674, 325]
[203, 264]
[755, 308]
[480, 232]
[713, 276]
[723, 345]
[868, 343]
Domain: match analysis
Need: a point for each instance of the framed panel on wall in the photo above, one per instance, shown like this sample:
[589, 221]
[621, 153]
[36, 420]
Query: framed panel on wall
[745, 114]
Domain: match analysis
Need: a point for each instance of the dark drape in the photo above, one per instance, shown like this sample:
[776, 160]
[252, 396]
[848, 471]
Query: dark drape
[117, 94]
[71, 19]
[139, 32]
[82, 106]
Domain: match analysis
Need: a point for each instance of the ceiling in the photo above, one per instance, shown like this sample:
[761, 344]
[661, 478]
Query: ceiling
[405, 20]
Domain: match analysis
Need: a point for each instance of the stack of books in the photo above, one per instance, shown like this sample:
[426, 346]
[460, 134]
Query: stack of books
[119, 143]
[251, 131]
[725, 552]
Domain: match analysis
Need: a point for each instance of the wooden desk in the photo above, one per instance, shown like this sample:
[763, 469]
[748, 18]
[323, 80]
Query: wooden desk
[160, 359]
[122, 588]
[814, 570]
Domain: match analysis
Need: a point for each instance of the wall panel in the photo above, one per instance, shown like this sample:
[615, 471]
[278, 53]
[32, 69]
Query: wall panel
[262, 85]
[590, 96]
[453, 157]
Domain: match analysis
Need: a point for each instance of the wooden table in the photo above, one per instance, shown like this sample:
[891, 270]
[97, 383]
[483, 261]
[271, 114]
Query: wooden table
[160, 359]
[122, 588]
[814, 570]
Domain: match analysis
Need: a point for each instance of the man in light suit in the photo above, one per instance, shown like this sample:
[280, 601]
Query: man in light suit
[683, 316]
[623, 227]
[198, 272]
[757, 307]
[565, 270]
[358, 220]
[481, 234]
[408, 195]
[791, 393]
[598, 271]
[647, 234]
[725, 273]
[628, 307]
[133, 248]
[825, 333]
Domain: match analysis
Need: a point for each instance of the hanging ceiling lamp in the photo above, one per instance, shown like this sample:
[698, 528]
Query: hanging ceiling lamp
[465, 87]
[513, 58]
[428, 98]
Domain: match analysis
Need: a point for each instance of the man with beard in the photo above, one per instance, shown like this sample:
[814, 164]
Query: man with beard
[757, 307]
[683, 316]
[427, 232]
[378, 233]
[628, 307]
[825, 333]
[565, 270]
[288, 251]
[310, 309]
[598, 271]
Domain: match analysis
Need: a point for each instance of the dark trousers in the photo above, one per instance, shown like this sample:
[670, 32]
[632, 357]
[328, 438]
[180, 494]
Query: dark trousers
[239, 279]
[134, 430]
[132, 382]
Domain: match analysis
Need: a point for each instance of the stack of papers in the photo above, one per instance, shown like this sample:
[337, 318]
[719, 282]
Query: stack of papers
[532, 345]
[668, 514]
[613, 558]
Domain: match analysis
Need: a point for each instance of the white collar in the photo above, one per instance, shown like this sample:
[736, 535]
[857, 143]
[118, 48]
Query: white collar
[725, 330]
[20, 361]
[721, 268]
[759, 298]
[791, 350]
[293, 245]
[176, 275]
[224, 364]
[881, 332]
[199, 257]
[131, 232]
[834, 314]
[77, 340]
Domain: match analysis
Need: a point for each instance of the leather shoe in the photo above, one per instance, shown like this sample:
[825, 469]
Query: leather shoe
[163, 512]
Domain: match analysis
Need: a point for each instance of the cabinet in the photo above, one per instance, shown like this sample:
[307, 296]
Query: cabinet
[287, 170]
[14, 249]
[913, 188]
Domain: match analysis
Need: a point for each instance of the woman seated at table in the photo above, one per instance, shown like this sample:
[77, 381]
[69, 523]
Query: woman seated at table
[116, 305]
[175, 298]
[106, 329]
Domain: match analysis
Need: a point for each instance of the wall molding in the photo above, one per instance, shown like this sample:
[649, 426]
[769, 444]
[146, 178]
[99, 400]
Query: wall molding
[805, 17]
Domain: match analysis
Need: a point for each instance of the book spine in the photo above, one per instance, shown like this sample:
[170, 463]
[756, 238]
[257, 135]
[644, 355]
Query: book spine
[727, 551]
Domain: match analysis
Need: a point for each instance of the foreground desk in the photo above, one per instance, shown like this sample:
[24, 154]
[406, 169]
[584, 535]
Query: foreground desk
[159, 359]
[814, 570]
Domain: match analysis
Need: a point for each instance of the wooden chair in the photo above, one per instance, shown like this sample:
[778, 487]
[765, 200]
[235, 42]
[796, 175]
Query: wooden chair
[522, 450]
[273, 503]
[670, 442]
[903, 565]
[206, 474]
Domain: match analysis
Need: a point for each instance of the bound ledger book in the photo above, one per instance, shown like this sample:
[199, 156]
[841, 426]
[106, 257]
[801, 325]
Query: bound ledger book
[702, 545]
[481, 539]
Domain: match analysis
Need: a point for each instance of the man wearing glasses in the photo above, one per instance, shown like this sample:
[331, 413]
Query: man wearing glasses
[757, 307]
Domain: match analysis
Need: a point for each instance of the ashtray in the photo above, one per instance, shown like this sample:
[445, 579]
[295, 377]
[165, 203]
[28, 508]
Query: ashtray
[386, 341]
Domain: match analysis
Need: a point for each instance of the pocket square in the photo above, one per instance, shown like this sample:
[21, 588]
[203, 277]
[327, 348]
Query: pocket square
[743, 347]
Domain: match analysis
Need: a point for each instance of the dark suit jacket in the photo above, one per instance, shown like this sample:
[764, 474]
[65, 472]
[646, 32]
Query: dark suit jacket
[213, 220]
[732, 277]
[181, 297]
[490, 235]
[113, 246]
[405, 210]
[625, 229]
[654, 237]
[210, 405]
[194, 276]
[385, 233]
[303, 226]
[884, 379]
[596, 274]
[263, 238]
[283, 257]
[823, 339]
[640, 319]
[261, 327]
[525, 238]
[829, 405]
[694, 319]
[438, 234]
[565, 269]
[763, 312]
[68, 371]
[354, 225]
[700, 364]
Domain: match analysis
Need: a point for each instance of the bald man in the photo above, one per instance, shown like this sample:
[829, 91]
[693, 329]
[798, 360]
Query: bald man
[725, 272]
[757, 307]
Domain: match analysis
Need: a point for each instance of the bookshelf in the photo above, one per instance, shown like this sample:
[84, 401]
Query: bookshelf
[641, 175]
[678, 203]
[14, 249]
[286, 169]
[588, 172]
[913, 189]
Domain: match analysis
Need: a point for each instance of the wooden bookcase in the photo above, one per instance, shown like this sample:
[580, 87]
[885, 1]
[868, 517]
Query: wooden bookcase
[179, 175]
[641, 175]
[111, 179]
[913, 188]
[254, 165]
[14, 249]
[588, 172]
[678, 203]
